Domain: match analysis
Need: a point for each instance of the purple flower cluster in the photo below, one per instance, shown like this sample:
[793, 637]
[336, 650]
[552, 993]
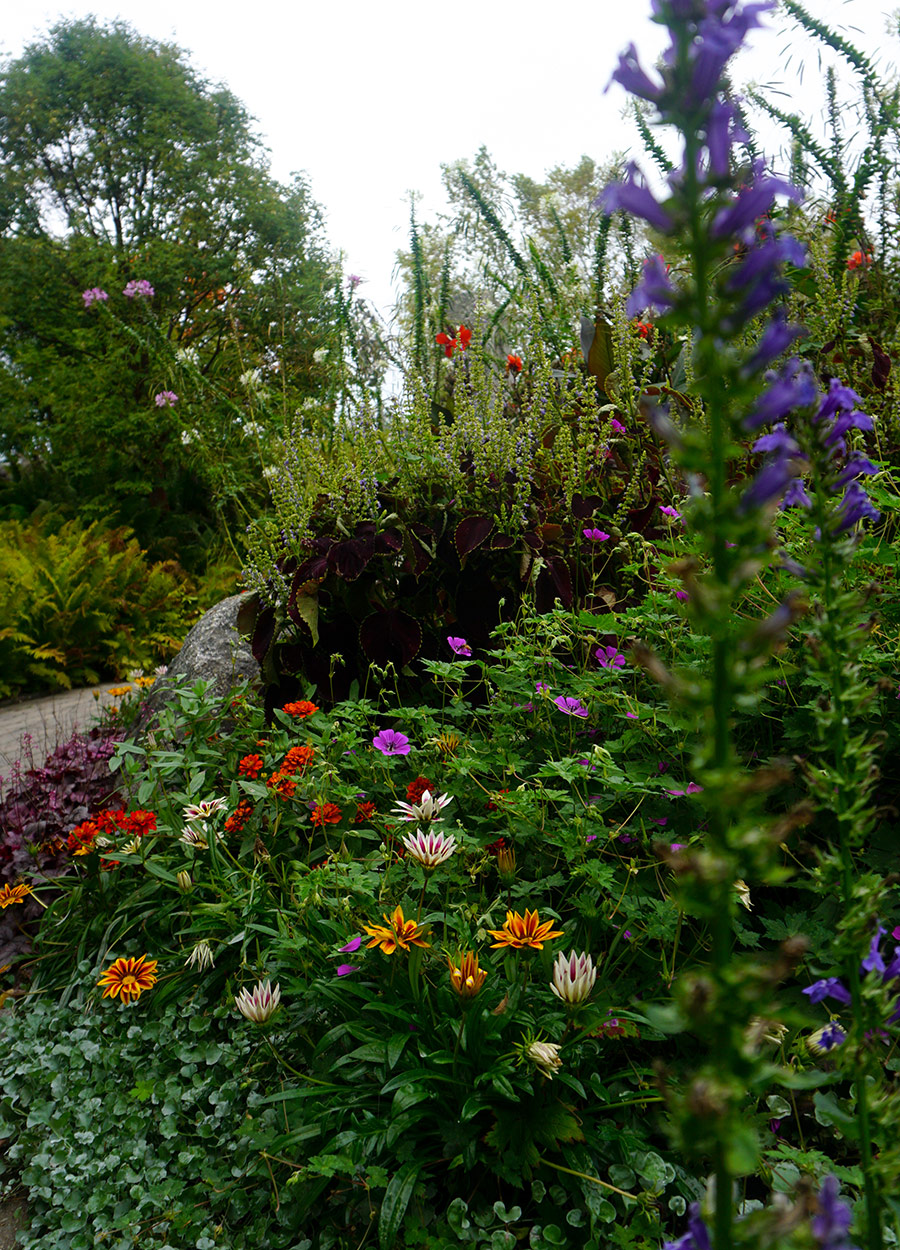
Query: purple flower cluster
[138, 288]
[165, 399]
[832, 987]
[94, 295]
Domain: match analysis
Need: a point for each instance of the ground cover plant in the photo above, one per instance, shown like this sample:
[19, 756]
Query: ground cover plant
[545, 896]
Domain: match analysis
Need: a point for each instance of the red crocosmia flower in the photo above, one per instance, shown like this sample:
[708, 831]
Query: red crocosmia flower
[250, 766]
[513, 364]
[446, 342]
[417, 788]
[327, 814]
[451, 341]
[465, 337]
[859, 260]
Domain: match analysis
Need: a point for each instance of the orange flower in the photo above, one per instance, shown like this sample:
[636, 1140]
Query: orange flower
[468, 978]
[282, 785]
[10, 894]
[240, 816]
[513, 364]
[400, 933]
[524, 931]
[81, 839]
[300, 709]
[859, 260]
[297, 759]
[250, 766]
[364, 811]
[129, 978]
[327, 814]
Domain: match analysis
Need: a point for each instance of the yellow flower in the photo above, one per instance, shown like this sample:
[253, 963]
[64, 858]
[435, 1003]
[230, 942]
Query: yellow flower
[400, 933]
[468, 978]
[118, 692]
[129, 978]
[521, 931]
[10, 894]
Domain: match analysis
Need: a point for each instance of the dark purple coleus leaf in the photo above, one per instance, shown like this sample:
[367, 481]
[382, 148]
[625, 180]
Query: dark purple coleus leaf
[349, 558]
[263, 634]
[553, 582]
[471, 533]
[391, 635]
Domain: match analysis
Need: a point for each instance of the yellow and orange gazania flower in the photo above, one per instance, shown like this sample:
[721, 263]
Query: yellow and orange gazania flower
[400, 934]
[10, 894]
[129, 978]
[524, 931]
[468, 978]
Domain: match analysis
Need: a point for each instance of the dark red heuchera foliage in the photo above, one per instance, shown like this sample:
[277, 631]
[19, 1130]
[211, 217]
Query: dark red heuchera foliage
[38, 810]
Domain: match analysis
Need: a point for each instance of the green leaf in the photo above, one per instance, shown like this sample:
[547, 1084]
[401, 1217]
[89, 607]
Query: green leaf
[396, 1199]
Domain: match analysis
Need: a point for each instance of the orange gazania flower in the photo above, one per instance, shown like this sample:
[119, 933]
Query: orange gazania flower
[327, 814]
[524, 931]
[468, 978]
[300, 709]
[400, 934]
[129, 978]
[297, 759]
[10, 894]
[250, 766]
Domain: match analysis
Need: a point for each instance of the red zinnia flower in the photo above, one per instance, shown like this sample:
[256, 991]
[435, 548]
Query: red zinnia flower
[81, 839]
[141, 822]
[300, 709]
[327, 814]
[297, 759]
[417, 788]
[240, 816]
[250, 766]
[282, 785]
[364, 811]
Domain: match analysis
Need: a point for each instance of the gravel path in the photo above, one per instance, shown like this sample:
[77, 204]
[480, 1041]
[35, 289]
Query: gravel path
[49, 721]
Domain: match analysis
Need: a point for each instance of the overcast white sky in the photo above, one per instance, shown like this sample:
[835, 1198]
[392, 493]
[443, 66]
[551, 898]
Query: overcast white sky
[369, 98]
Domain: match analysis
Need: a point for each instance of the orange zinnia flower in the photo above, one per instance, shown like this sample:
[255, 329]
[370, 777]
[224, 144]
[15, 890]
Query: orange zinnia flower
[364, 811]
[129, 978]
[300, 709]
[250, 766]
[239, 817]
[327, 814]
[468, 978]
[13, 894]
[524, 931]
[400, 933]
[297, 759]
[282, 785]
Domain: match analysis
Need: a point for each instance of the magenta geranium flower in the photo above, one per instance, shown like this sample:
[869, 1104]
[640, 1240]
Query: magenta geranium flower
[609, 657]
[390, 742]
[671, 513]
[692, 788]
[459, 646]
[596, 536]
[570, 706]
[344, 970]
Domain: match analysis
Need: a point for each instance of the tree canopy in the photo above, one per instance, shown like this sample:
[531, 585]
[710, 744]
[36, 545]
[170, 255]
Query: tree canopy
[121, 164]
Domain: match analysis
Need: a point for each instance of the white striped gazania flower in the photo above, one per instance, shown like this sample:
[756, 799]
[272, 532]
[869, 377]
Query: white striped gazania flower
[201, 957]
[545, 1057]
[204, 809]
[260, 1003]
[573, 977]
[424, 812]
[430, 849]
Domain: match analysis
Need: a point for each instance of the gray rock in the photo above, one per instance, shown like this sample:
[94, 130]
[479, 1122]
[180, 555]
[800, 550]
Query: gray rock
[214, 652]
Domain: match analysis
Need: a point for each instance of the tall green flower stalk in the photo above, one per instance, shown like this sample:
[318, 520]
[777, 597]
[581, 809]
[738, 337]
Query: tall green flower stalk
[722, 207]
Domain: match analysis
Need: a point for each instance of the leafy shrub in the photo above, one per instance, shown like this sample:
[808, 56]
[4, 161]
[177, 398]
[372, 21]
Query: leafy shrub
[80, 603]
